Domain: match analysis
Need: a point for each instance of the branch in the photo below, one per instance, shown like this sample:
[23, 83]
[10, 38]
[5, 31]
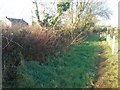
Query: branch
[11, 41]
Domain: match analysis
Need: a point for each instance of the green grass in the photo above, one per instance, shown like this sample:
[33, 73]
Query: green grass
[75, 69]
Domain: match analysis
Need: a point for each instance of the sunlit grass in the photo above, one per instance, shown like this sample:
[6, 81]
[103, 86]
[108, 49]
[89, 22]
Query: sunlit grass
[109, 68]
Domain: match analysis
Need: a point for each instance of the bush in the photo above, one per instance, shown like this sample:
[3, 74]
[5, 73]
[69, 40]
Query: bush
[32, 43]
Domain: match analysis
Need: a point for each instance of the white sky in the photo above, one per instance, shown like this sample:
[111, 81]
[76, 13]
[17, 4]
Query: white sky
[22, 9]
[113, 6]
[16, 8]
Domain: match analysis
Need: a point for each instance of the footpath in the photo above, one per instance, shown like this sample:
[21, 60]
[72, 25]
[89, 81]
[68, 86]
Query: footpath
[107, 73]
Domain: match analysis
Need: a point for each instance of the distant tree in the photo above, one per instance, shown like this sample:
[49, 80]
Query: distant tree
[88, 11]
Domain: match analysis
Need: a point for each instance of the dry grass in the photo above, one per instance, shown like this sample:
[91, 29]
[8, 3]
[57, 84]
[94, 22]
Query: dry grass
[108, 68]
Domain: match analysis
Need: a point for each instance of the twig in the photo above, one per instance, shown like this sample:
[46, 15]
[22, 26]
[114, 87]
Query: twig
[11, 41]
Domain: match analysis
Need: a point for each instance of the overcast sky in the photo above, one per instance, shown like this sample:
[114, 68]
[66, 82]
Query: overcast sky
[22, 9]
[113, 6]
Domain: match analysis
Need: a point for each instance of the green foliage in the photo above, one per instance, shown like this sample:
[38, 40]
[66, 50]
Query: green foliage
[62, 6]
[74, 69]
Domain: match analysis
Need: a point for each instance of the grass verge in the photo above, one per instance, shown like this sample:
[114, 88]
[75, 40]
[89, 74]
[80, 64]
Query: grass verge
[108, 68]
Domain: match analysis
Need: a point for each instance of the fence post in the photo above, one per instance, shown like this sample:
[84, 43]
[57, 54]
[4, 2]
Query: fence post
[100, 35]
[108, 39]
[113, 45]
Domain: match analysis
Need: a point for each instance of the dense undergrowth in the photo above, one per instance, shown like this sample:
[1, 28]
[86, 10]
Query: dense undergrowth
[76, 68]
[33, 44]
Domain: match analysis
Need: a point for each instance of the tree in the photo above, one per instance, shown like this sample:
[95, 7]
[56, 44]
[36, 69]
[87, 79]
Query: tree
[61, 7]
[35, 3]
[88, 11]
[46, 17]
